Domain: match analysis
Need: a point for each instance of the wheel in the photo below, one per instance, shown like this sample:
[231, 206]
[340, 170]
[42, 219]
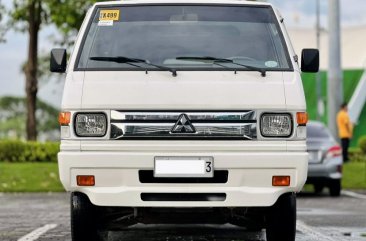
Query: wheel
[318, 188]
[83, 218]
[281, 219]
[335, 188]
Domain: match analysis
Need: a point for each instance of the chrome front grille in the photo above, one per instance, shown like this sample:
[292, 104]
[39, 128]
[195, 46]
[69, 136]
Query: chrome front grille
[240, 125]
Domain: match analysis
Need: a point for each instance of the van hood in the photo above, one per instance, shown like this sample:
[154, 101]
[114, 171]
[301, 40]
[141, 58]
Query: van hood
[190, 90]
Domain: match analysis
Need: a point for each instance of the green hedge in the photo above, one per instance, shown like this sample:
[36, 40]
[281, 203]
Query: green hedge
[356, 155]
[362, 144]
[19, 151]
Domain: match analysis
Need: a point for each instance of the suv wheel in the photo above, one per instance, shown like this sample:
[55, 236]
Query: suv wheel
[318, 188]
[281, 219]
[83, 218]
[335, 188]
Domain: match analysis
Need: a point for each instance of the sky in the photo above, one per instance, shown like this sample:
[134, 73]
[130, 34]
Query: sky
[297, 13]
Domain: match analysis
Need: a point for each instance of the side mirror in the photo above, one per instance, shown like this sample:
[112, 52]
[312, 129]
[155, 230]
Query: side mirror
[58, 61]
[310, 61]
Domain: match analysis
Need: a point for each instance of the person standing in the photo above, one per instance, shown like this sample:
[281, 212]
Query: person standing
[345, 130]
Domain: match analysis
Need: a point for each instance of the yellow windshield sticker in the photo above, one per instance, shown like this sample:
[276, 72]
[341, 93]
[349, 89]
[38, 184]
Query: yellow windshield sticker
[112, 15]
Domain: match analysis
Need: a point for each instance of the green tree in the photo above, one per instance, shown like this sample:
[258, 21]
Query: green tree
[2, 27]
[12, 115]
[30, 16]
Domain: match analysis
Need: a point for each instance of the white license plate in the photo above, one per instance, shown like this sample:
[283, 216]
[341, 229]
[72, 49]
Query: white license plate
[184, 167]
[314, 157]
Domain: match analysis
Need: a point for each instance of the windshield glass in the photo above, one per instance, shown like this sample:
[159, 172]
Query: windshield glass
[180, 37]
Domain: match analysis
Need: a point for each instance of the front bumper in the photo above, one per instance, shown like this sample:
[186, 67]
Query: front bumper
[117, 177]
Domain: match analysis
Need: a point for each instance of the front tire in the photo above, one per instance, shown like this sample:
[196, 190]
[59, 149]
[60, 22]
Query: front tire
[83, 218]
[335, 188]
[281, 219]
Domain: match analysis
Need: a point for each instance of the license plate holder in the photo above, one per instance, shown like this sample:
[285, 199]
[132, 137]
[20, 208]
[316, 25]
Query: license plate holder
[184, 167]
[314, 157]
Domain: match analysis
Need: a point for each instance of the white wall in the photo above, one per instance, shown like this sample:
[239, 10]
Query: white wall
[353, 45]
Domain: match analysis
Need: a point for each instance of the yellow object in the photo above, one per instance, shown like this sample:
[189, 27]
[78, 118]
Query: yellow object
[302, 118]
[106, 15]
[85, 181]
[64, 118]
[281, 181]
[345, 127]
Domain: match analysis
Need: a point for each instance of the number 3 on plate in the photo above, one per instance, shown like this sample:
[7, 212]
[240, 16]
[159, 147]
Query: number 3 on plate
[208, 167]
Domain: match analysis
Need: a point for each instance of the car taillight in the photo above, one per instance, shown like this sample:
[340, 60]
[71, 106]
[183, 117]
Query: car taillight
[334, 151]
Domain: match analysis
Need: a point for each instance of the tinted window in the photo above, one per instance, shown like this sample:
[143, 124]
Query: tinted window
[159, 34]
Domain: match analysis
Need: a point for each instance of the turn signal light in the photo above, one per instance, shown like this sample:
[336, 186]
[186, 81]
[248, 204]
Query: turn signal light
[64, 118]
[302, 118]
[85, 181]
[281, 181]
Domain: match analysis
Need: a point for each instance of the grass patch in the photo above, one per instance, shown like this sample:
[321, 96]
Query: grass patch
[354, 176]
[29, 177]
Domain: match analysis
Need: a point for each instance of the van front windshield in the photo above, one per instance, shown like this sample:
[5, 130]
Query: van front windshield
[184, 37]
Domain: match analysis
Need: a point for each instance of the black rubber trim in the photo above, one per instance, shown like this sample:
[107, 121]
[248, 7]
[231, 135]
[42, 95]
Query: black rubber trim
[147, 176]
[183, 197]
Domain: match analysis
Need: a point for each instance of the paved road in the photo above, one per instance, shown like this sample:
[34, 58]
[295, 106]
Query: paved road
[44, 217]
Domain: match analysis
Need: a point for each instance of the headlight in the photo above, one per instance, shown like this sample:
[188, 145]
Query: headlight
[91, 125]
[276, 125]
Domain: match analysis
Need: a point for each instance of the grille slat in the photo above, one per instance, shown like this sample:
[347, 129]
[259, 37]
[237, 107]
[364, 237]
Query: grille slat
[205, 125]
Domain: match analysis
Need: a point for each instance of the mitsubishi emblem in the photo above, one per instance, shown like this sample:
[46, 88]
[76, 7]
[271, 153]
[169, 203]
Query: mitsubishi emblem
[183, 126]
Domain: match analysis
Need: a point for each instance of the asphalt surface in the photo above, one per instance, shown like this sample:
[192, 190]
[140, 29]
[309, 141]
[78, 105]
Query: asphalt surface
[27, 217]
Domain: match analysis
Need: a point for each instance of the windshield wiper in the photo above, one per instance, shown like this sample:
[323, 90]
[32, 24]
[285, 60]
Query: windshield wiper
[222, 60]
[130, 61]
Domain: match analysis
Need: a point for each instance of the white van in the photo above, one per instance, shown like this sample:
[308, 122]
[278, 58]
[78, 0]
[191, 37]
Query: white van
[183, 111]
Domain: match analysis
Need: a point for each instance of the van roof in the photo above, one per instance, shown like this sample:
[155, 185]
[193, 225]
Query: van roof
[183, 1]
